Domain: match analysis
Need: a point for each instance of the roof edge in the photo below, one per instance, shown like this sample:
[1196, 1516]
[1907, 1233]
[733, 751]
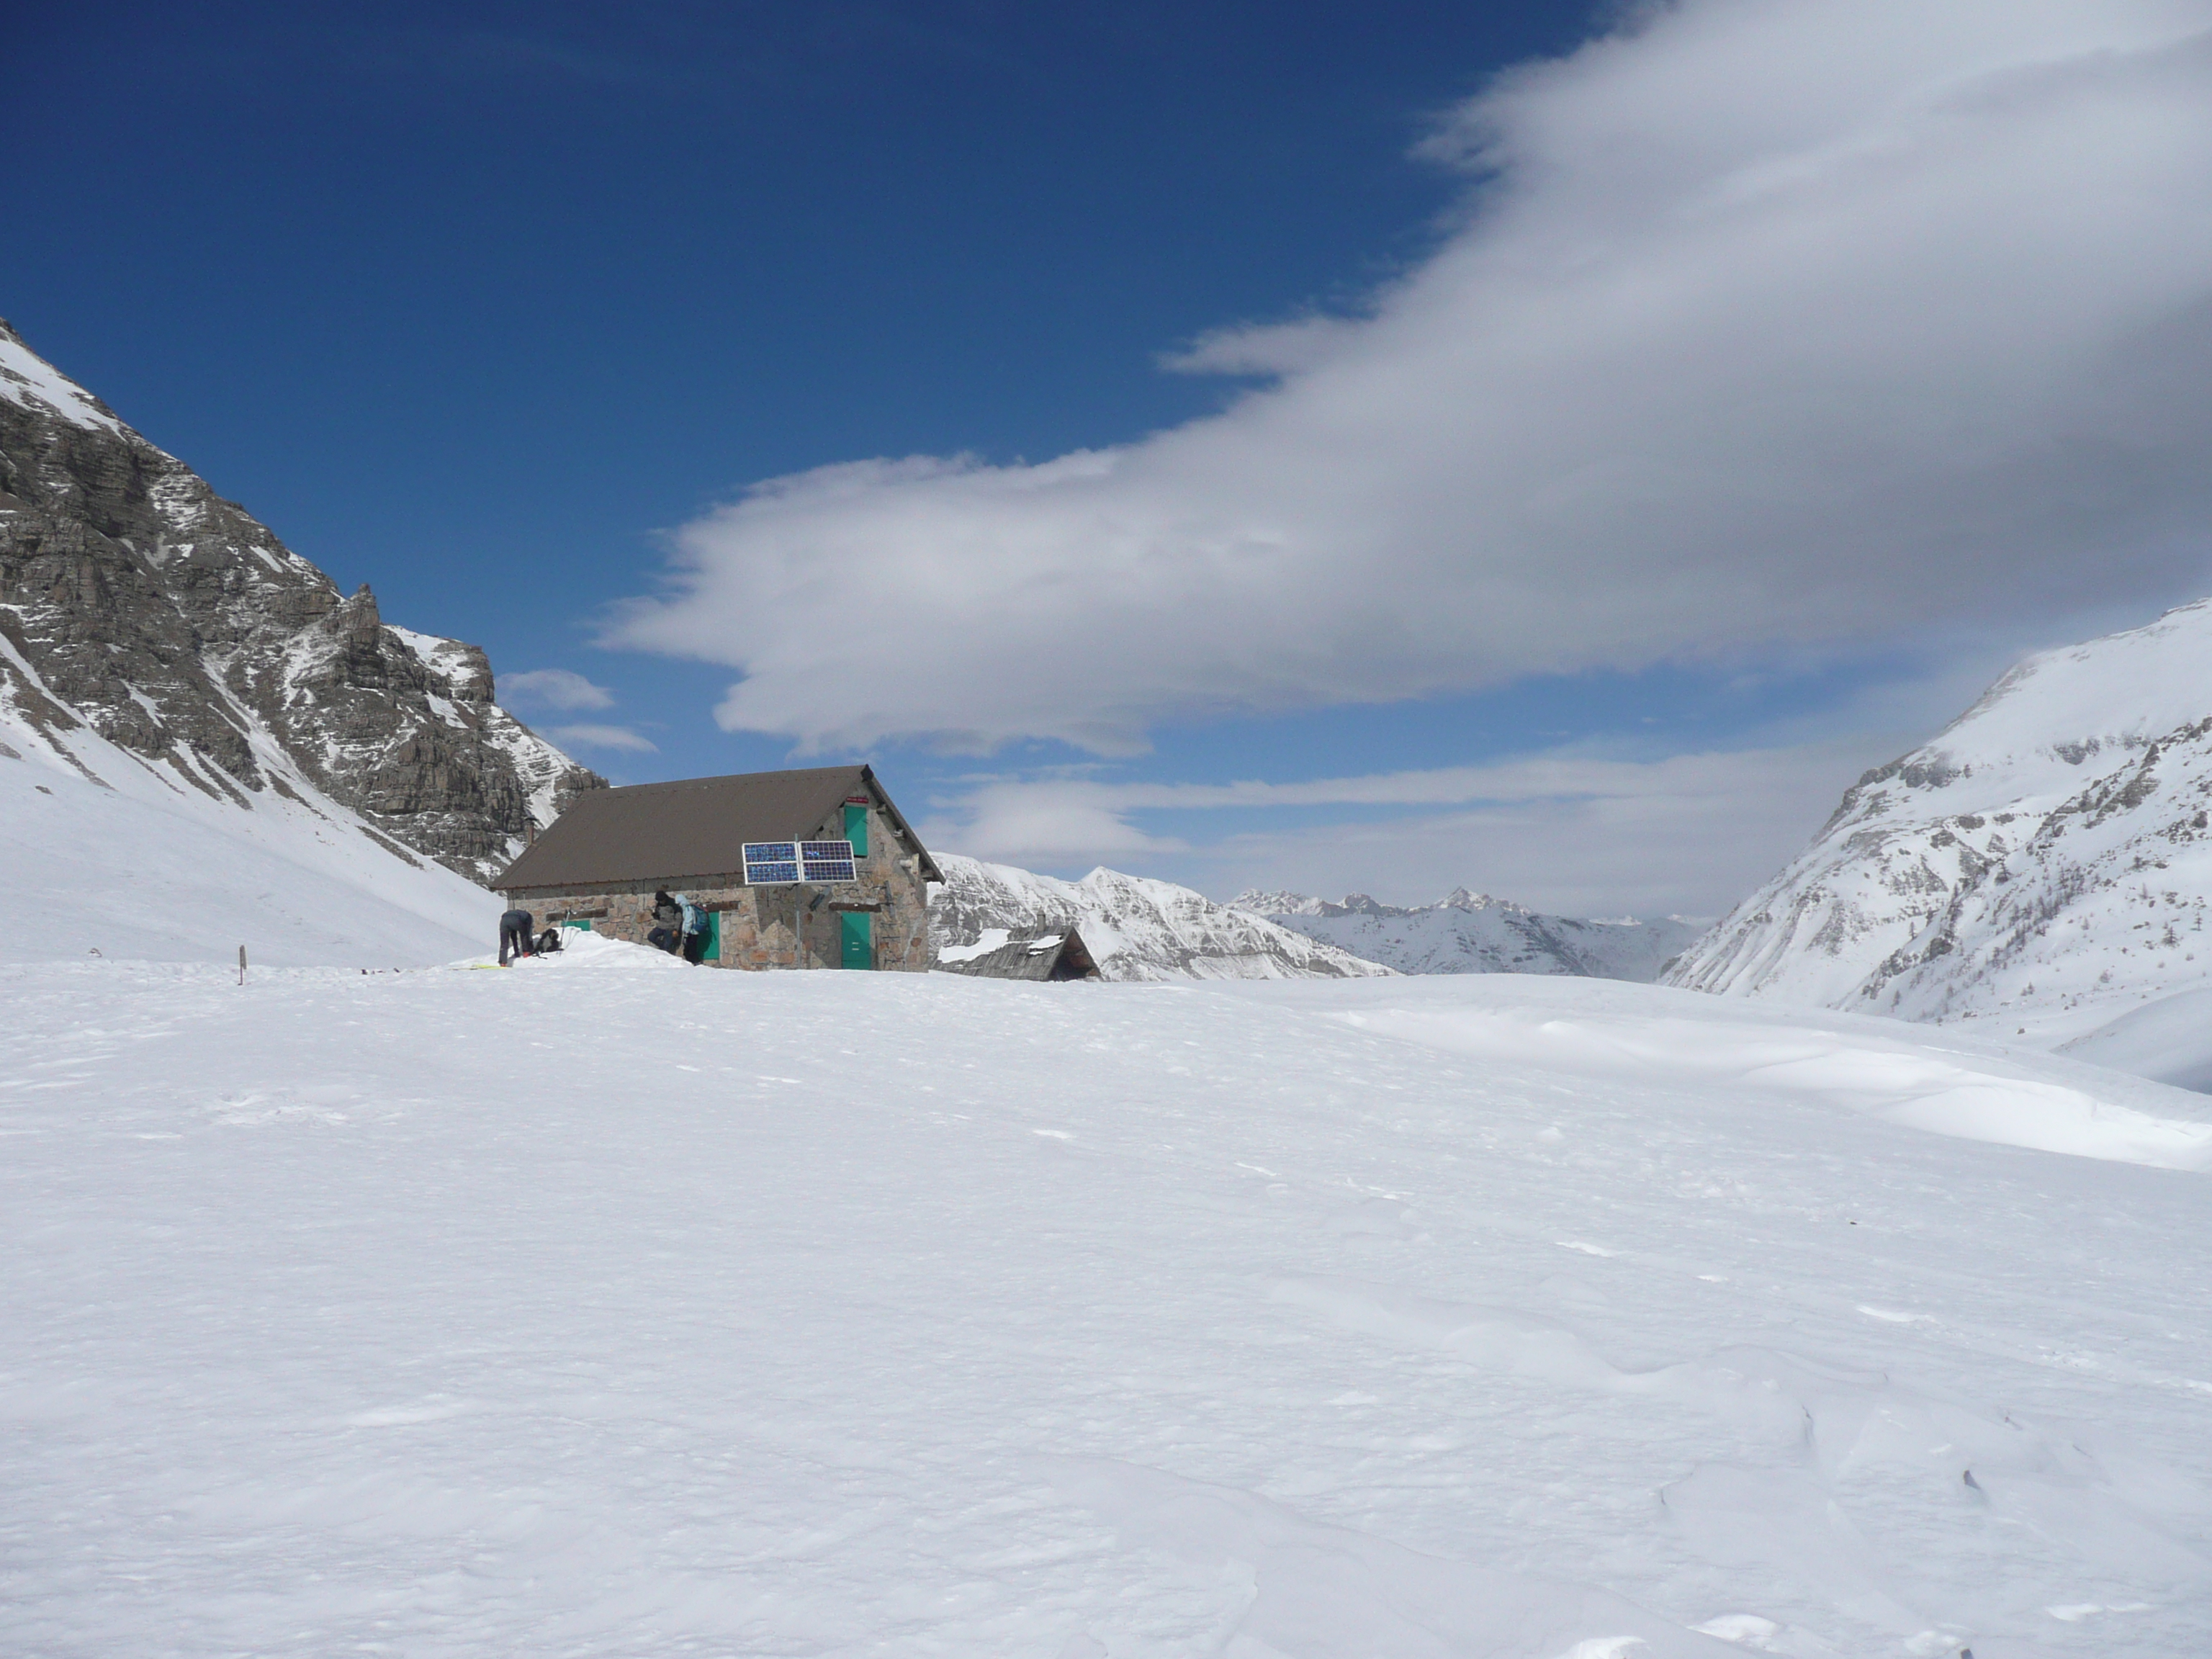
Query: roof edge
[928, 869]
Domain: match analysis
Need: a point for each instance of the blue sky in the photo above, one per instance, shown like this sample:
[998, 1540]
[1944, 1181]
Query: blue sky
[501, 308]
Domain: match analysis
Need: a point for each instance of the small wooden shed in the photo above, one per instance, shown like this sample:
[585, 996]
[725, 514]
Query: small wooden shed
[998, 954]
[762, 852]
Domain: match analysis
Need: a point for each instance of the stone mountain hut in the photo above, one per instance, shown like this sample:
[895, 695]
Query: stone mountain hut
[809, 869]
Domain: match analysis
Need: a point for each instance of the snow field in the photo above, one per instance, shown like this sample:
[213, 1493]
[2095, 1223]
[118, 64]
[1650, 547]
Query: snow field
[602, 1306]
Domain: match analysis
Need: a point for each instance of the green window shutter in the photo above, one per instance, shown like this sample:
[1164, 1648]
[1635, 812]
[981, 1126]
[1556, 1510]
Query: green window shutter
[858, 937]
[856, 829]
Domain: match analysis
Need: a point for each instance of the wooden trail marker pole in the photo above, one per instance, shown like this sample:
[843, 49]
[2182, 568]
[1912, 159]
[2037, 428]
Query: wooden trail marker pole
[241, 964]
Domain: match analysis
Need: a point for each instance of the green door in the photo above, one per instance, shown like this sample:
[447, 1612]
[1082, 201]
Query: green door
[856, 829]
[860, 939]
[710, 949]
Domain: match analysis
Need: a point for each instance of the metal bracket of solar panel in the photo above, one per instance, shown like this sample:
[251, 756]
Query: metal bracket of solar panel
[827, 861]
[771, 863]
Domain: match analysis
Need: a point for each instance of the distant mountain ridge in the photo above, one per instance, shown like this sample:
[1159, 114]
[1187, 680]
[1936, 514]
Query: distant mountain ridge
[137, 603]
[1470, 933]
[2045, 859]
[1137, 928]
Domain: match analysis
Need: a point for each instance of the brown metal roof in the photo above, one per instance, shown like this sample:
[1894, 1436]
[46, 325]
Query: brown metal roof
[668, 832]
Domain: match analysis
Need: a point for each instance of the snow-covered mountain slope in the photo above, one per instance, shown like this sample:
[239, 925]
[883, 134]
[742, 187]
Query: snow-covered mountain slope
[137, 603]
[1136, 928]
[1474, 933]
[604, 1306]
[2045, 861]
[103, 850]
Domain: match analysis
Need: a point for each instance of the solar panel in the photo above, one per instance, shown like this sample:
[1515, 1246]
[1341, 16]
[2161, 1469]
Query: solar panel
[771, 863]
[827, 860]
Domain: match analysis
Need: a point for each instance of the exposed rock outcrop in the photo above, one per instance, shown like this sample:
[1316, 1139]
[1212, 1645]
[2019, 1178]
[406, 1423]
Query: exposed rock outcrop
[135, 600]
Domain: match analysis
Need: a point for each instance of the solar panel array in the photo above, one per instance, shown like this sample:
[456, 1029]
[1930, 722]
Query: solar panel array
[780, 863]
[827, 860]
[771, 863]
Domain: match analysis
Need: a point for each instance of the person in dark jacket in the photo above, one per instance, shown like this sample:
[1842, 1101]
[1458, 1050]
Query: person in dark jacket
[513, 935]
[667, 932]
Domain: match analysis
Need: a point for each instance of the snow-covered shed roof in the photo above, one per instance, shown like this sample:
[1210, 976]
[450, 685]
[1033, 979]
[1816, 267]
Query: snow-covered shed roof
[694, 827]
[997, 955]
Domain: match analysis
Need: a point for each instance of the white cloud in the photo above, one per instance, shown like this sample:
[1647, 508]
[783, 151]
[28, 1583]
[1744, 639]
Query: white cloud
[603, 737]
[1582, 829]
[1572, 832]
[1772, 326]
[555, 688]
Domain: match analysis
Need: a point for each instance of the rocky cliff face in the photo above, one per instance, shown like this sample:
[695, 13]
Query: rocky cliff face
[137, 602]
[1469, 932]
[2045, 861]
[1136, 928]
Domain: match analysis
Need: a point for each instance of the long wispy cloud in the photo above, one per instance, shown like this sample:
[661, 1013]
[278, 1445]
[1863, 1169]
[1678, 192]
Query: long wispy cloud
[1771, 326]
[566, 691]
[620, 739]
[1568, 829]
[554, 688]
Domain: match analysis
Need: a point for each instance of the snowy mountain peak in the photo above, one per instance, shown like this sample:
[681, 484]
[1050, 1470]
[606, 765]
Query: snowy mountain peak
[1459, 899]
[2072, 703]
[1280, 902]
[2045, 858]
[1284, 903]
[30, 381]
[1470, 933]
[1137, 928]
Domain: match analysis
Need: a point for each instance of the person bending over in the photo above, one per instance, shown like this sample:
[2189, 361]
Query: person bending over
[667, 932]
[513, 935]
